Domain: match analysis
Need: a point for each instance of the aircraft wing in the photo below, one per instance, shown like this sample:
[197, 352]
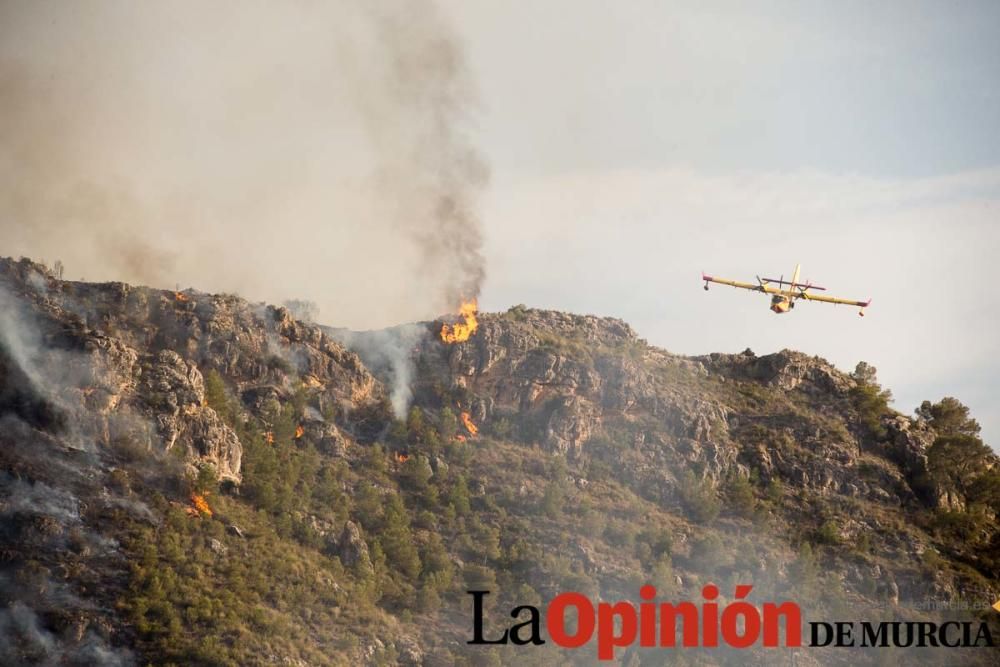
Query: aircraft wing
[735, 283]
[832, 299]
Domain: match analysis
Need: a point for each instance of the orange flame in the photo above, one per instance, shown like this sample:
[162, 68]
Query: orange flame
[469, 425]
[269, 438]
[201, 504]
[459, 332]
[402, 457]
[299, 431]
[181, 296]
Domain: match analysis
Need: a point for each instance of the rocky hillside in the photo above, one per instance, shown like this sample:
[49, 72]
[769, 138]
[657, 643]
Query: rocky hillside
[188, 478]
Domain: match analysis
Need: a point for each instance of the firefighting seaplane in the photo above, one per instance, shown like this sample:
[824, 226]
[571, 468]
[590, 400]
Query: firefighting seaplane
[783, 300]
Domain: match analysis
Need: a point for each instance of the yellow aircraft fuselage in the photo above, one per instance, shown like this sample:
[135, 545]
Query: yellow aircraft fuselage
[781, 304]
[783, 300]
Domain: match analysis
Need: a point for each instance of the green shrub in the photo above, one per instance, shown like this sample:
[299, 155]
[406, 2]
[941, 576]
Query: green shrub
[217, 398]
[828, 533]
[657, 542]
[698, 498]
[620, 534]
[553, 498]
[740, 499]
[870, 400]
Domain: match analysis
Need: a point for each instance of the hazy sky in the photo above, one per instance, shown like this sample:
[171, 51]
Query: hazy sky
[635, 144]
[303, 149]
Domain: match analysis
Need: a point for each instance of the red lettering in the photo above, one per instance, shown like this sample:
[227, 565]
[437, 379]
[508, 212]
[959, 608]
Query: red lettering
[793, 623]
[710, 616]
[668, 623]
[607, 640]
[647, 617]
[555, 620]
[751, 624]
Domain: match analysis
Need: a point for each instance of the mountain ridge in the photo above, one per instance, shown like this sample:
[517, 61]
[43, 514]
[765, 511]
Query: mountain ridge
[122, 404]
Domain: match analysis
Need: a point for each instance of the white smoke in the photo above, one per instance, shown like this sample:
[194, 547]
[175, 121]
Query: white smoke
[388, 353]
[317, 151]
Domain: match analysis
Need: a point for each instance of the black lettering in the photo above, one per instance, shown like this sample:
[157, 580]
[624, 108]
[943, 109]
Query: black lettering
[871, 638]
[943, 635]
[477, 620]
[927, 634]
[534, 622]
[984, 634]
[844, 629]
[896, 641]
[814, 627]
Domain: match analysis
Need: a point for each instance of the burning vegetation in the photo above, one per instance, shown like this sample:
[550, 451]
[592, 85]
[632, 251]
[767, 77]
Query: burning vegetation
[299, 431]
[181, 296]
[427, 516]
[461, 331]
[201, 504]
[470, 426]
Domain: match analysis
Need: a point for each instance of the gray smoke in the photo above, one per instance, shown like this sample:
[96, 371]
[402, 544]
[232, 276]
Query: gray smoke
[52, 475]
[319, 151]
[27, 642]
[388, 353]
[16, 341]
[429, 168]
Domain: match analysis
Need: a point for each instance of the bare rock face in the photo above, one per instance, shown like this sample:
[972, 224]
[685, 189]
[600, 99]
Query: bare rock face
[352, 549]
[570, 426]
[570, 379]
[576, 377]
[624, 385]
[410, 652]
[786, 369]
[170, 384]
[129, 360]
[109, 372]
[526, 366]
[332, 440]
[908, 442]
[209, 440]
[173, 392]
[695, 418]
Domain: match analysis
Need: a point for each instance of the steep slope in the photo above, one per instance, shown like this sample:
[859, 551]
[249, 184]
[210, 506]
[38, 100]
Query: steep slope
[195, 479]
[106, 418]
[572, 382]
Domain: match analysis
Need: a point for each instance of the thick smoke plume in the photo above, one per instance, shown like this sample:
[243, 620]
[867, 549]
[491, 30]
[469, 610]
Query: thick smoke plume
[310, 150]
[387, 353]
[50, 475]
